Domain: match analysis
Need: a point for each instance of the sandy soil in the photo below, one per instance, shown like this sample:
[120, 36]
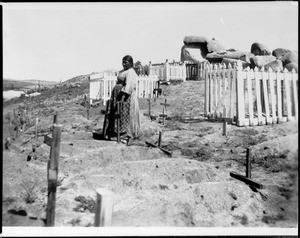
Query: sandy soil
[192, 188]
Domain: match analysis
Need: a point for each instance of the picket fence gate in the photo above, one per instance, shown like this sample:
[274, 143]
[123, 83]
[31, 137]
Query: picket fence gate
[195, 71]
[250, 96]
[101, 86]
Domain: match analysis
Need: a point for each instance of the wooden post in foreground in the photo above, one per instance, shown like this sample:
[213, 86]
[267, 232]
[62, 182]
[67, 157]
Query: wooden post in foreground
[104, 207]
[52, 173]
[248, 164]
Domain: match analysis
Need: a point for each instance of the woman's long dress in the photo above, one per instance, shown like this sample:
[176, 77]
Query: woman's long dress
[129, 110]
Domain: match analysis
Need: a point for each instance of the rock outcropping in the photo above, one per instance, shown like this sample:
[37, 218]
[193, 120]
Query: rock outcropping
[197, 49]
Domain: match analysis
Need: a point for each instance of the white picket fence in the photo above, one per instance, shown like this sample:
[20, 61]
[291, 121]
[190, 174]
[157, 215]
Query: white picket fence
[253, 97]
[168, 71]
[101, 86]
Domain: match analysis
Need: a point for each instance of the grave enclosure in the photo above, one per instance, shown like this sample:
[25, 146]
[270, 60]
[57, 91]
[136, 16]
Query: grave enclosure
[245, 96]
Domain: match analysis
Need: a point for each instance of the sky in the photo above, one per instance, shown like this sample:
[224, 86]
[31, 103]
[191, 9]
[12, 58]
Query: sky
[58, 41]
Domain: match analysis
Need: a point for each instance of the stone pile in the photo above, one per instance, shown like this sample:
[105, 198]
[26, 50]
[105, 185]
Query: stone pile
[197, 49]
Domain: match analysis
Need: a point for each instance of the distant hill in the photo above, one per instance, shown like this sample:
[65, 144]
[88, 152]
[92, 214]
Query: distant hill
[85, 78]
[13, 84]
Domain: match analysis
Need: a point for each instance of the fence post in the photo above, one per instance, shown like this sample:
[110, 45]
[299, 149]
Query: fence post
[258, 96]
[288, 94]
[295, 93]
[240, 95]
[167, 74]
[52, 174]
[104, 207]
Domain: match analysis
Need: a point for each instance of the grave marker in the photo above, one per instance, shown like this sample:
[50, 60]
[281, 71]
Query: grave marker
[52, 171]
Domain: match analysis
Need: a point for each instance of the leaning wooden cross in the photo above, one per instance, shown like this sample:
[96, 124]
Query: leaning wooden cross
[247, 179]
[158, 145]
[52, 170]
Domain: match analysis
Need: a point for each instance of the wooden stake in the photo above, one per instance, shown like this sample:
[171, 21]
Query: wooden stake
[52, 175]
[118, 122]
[224, 127]
[149, 105]
[55, 118]
[159, 139]
[163, 115]
[104, 207]
[248, 164]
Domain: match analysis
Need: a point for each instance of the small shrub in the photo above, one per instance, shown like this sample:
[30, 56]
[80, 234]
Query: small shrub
[85, 204]
[30, 191]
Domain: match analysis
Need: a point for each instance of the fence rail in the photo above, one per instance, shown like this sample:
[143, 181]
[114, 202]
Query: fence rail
[101, 86]
[252, 96]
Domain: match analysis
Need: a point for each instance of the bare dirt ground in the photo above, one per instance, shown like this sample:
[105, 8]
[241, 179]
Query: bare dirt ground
[193, 188]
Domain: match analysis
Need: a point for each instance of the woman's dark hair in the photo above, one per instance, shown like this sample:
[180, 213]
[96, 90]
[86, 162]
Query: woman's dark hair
[129, 59]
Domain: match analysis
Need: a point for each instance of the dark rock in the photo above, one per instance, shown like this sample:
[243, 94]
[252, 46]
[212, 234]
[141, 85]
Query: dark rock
[274, 65]
[19, 212]
[235, 61]
[217, 57]
[279, 53]
[194, 39]
[292, 66]
[261, 60]
[259, 49]
[290, 57]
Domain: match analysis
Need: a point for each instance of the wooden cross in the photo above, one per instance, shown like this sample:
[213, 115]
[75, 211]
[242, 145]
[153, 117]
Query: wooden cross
[52, 170]
[247, 179]
[158, 145]
[165, 104]
[164, 115]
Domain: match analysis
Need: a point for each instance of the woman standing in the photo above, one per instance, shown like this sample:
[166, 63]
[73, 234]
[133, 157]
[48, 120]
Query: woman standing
[125, 91]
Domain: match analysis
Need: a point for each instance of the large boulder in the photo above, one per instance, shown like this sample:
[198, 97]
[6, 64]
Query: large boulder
[291, 66]
[290, 57]
[194, 40]
[275, 65]
[259, 49]
[279, 53]
[217, 57]
[235, 61]
[193, 54]
[261, 60]
[214, 46]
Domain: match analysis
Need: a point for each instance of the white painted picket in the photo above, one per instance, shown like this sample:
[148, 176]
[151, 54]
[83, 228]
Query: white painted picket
[252, 96]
